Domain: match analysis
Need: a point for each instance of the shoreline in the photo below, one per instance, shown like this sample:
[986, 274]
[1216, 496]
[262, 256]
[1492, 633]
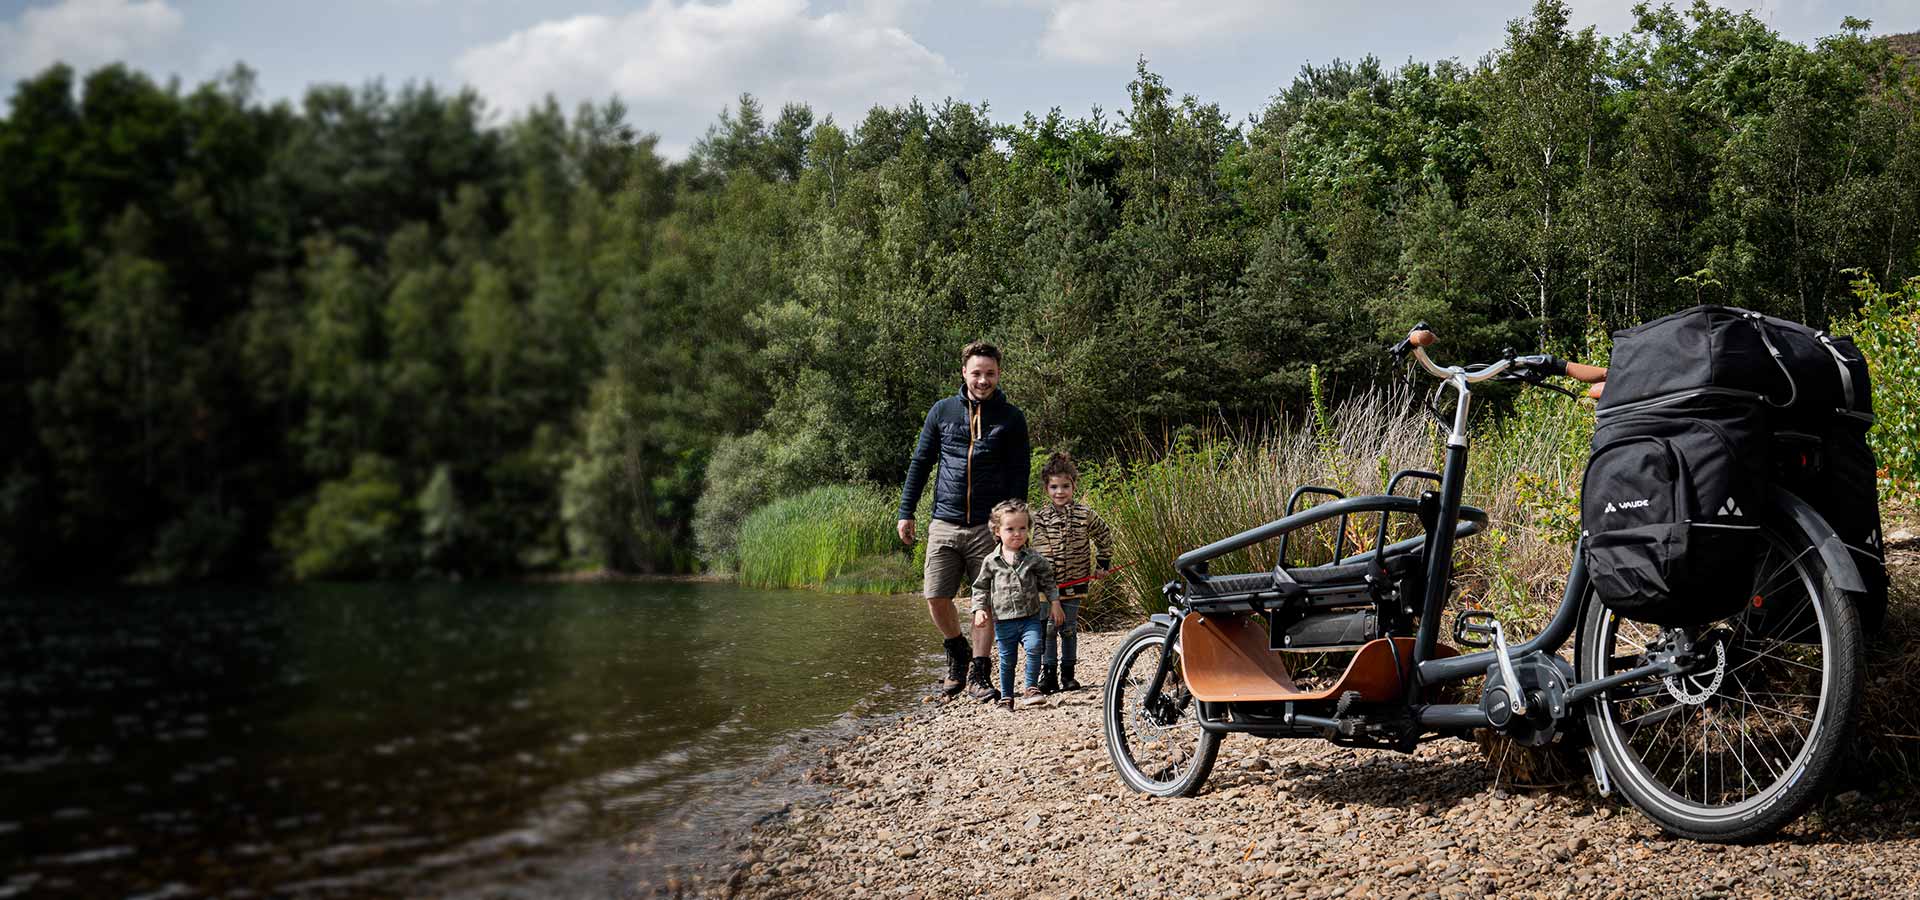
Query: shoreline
[608, 576]
[964, 800]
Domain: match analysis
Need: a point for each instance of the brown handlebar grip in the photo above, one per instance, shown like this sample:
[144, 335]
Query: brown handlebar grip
[1422, 338]
[1586, 373]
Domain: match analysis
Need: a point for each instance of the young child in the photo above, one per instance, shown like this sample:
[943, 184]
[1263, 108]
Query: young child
[1016, 591]
[1062, 532]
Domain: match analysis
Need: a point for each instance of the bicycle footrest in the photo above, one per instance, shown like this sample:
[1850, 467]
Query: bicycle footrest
[1226, 659]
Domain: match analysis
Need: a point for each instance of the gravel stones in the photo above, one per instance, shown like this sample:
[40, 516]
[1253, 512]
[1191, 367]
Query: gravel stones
[965, 801]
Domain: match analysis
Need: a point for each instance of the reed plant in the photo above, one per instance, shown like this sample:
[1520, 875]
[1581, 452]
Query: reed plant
[1204, 485]
[837, 536]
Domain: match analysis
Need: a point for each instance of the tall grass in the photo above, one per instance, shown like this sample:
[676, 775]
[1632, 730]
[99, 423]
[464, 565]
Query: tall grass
[1203, 486]
[838, 536]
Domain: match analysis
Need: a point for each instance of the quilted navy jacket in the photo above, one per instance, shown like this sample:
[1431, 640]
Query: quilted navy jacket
[983, 452]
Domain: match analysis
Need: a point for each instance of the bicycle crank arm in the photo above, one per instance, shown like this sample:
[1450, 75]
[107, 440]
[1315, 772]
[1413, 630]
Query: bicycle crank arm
[1517, 693]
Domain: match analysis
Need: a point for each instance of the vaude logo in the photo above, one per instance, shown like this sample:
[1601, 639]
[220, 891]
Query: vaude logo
[1626, 504]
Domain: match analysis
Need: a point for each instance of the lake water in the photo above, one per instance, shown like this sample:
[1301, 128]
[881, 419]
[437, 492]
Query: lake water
[513, 739]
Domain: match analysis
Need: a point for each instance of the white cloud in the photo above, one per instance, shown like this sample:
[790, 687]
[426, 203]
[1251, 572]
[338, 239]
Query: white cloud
[89, 33]
[1096, 31]
[677, 64]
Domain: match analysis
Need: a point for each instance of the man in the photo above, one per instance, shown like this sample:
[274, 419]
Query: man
[980, 443]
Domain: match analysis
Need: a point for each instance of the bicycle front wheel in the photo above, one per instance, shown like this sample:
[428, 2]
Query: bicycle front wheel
[1160, 750]
[1736, 751]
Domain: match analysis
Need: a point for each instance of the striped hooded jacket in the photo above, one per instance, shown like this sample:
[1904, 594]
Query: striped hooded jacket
[1073, 538]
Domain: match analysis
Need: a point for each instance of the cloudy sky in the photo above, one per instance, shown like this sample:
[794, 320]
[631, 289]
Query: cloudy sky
[678, 63]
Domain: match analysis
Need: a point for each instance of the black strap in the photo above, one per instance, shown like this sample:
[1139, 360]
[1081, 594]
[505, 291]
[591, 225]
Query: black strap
[1846, 374]
[1793, 390]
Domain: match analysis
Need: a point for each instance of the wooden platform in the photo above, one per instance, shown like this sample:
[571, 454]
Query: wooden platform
[1225, 658]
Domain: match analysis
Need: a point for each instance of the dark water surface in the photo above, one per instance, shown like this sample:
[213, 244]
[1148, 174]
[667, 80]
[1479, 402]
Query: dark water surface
[513, 739]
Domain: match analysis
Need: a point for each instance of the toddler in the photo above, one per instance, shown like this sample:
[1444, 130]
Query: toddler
[1016, 591]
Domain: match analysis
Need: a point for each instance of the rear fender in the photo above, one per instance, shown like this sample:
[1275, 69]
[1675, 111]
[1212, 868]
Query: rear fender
[1795, 513]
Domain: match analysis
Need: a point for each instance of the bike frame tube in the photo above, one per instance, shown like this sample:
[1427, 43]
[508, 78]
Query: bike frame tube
[1440, 549]
[1549, 640]
[1152, 696]
[1427, 669]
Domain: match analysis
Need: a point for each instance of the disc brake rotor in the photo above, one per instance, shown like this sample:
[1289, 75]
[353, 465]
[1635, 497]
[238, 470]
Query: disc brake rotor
[1697, 688]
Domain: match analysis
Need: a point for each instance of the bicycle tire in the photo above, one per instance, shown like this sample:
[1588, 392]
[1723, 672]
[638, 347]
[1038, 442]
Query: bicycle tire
[1797, 777]
[1172, 771]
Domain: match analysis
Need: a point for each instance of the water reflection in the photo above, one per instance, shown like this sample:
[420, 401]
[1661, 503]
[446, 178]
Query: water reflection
[398, 739]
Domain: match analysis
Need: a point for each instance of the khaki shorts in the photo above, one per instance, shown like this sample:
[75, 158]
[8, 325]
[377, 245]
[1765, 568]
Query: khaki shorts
[954, 555]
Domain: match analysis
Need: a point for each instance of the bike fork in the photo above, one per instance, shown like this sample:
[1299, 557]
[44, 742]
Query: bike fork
[1151, 700]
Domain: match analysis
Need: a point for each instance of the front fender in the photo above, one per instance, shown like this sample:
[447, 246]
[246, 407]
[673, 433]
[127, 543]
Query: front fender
[1797, 515]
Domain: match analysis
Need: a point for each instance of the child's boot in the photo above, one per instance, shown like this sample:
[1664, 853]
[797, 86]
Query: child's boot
[1049, 679]
[957, 655]
[978, 685]
[1067, 681]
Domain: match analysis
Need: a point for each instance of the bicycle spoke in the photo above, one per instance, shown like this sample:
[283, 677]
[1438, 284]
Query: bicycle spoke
[1743, 742]
[1770, 709]
[1662, 711]
[1156, 752]
[1766, 586]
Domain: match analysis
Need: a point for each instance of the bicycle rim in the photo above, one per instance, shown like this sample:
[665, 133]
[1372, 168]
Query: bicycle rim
[1727, 745]
[1156, 757]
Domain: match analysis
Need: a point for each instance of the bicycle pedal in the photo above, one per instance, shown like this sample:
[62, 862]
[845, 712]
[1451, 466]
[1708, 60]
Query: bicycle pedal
[1475, 628]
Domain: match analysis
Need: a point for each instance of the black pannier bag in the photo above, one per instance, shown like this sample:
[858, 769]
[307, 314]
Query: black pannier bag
[1831, 466]
[1669, 506]
[1725, 350]
[1780, 399]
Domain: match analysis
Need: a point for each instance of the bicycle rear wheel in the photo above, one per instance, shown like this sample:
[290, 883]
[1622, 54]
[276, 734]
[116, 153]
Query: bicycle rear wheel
[1739, 750]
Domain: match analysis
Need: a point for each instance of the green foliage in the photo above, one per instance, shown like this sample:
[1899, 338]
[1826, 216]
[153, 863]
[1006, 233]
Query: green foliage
[357, 526]
[819, 536]
[1887, 331]
[739, 478]
[210, 307]
[443, 523]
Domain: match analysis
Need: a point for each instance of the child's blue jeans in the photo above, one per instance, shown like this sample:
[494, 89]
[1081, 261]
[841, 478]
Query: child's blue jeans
[1068, 633]
[1024, 634]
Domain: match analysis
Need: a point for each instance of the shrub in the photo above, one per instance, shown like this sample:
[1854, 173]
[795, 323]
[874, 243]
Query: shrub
[1887, 330]
[814, 537]
[356, 525]
[739, 476]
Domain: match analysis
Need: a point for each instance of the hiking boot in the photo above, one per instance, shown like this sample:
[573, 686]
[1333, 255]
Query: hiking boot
[977, 685]
[1006, 704]
[1031, 697]
[1049, 679]
[1067, 681]
[957, 656]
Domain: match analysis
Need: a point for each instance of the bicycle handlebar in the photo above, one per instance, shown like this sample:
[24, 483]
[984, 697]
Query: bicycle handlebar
[1422, 337]
[1586, 373]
